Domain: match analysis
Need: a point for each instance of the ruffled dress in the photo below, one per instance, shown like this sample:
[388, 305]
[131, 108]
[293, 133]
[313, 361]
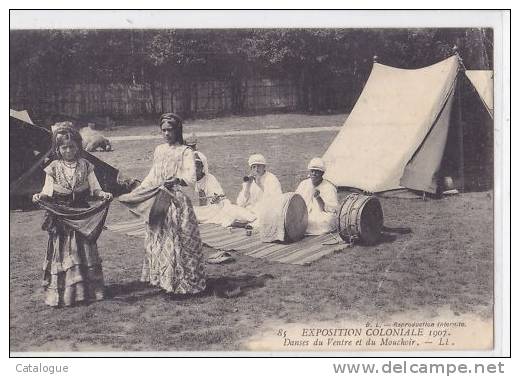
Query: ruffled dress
[72, 270]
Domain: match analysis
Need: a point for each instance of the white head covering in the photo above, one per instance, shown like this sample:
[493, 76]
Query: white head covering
[257, 159]
[191, 139]
[199, 156]
[316, 164]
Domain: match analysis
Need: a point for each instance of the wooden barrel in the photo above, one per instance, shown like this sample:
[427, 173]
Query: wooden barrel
[295, 216]
[360, 218]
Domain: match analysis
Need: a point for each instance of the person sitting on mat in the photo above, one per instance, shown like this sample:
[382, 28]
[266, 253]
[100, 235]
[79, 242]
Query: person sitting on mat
[208, 191]
[258, 187]
[213, 206]
[321, 199]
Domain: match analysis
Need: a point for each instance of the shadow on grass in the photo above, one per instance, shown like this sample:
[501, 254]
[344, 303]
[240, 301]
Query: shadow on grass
[228, 286]
[232, 286]
[132, 291]
[398, 230]
[389, 235]
[386, 238]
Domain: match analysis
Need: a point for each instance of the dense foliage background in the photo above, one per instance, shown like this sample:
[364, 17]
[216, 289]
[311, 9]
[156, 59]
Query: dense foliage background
[322, 64]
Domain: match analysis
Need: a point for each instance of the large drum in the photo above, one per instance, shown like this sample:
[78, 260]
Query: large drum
[295, 216]
[285, 220]
[360, 218]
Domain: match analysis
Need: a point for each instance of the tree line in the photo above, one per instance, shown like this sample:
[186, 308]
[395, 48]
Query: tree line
[316, 61]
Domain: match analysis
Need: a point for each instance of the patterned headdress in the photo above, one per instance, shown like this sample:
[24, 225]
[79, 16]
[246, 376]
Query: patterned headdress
[64, 131]
[170, 118]
[176, 122]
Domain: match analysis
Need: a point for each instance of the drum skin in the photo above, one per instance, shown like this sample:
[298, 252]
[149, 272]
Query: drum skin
[295, 216]
[360, 216]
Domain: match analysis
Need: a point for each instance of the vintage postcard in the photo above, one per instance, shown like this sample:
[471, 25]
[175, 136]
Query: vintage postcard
[290, 189]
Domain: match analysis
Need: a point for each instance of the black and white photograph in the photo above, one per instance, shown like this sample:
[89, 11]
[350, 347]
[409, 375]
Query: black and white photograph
[254, 189]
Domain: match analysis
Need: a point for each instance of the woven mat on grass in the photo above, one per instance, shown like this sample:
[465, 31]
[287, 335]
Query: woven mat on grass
[303, 252]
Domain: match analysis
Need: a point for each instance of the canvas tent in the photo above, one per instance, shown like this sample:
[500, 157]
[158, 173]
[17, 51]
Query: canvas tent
[483, 83]
[21, 115]
[30, 152]
[410, 128]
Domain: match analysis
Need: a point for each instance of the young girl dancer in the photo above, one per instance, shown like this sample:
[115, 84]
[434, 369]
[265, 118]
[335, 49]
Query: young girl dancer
[72, 268]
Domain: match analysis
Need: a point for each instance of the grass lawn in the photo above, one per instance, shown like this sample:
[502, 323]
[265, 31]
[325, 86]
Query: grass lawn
[231, 123]
[445, 263]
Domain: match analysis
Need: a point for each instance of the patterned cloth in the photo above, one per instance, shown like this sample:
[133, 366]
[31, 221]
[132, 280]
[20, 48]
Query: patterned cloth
[87, 221]
[173, 250]
[65, 179]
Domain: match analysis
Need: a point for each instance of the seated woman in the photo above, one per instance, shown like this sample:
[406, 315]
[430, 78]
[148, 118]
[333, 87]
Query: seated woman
[259, 187]
[210, 195]
[321, 198]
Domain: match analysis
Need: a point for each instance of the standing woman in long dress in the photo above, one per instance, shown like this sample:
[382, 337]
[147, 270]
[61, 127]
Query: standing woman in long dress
[173, 257]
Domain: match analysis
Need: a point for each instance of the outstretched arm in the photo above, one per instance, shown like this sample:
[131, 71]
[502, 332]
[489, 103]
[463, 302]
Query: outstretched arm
[95, 187]
[47, 189]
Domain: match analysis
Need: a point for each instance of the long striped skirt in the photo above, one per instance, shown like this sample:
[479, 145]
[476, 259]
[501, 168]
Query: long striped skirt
[173, 257]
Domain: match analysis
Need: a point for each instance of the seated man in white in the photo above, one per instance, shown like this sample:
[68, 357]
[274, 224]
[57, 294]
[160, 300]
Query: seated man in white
[321, 198]
[258, 187]
[208, 192]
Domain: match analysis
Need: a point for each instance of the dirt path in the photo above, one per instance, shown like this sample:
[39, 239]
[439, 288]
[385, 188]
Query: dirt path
[286, 131]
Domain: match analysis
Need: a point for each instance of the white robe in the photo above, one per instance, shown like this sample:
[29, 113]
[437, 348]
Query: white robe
[320, 222]
[263, 188]
[207, 187]
[262, 192]
[222, 213]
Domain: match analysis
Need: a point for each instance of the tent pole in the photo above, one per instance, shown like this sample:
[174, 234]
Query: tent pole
[460, 128]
